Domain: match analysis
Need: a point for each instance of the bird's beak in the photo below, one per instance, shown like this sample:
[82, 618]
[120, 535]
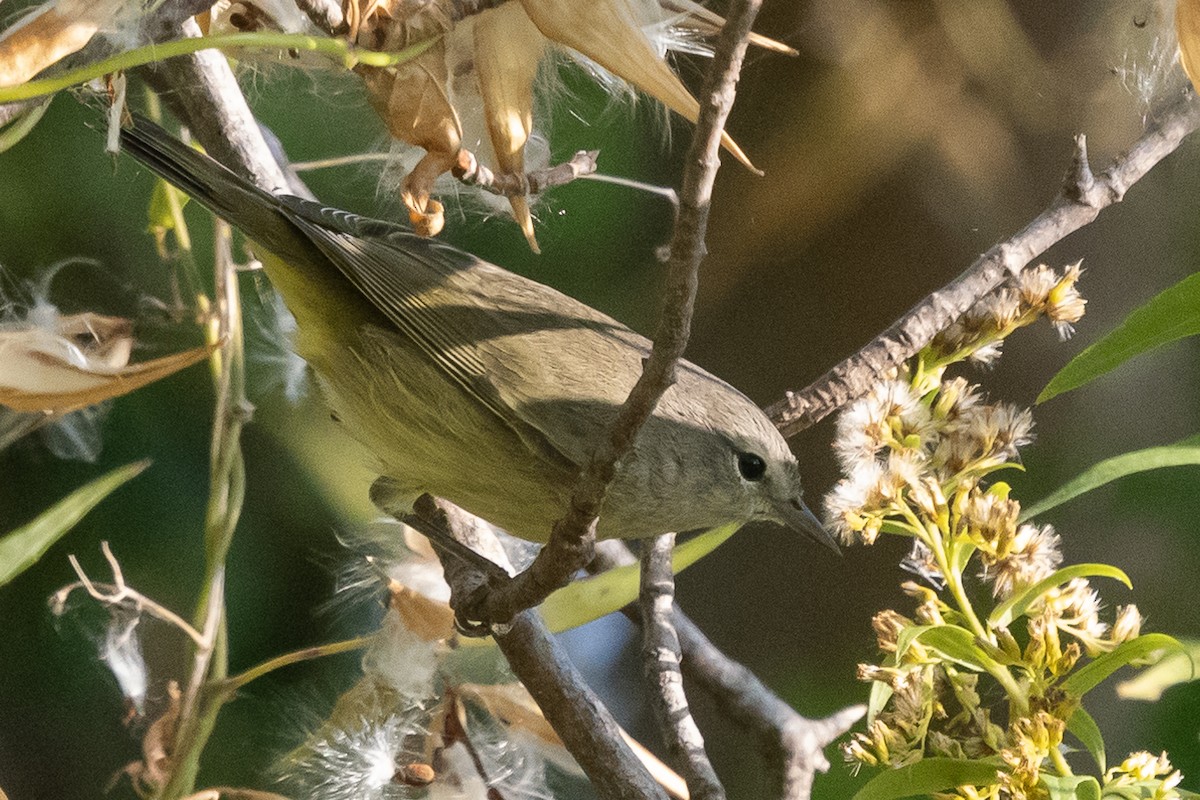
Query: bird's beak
[799, 518]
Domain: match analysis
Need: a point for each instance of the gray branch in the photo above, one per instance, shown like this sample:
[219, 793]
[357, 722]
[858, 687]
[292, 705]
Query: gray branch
[792, 744]
[1081, 200]
[577, 715]
[661, 664]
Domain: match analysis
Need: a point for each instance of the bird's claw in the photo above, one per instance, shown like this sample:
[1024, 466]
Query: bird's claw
[471, 621]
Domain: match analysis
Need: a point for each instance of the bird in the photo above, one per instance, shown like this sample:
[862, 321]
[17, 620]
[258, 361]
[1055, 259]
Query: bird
[486, 388]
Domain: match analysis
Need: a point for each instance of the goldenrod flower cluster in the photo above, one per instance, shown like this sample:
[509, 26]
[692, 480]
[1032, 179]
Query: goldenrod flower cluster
[959, 680]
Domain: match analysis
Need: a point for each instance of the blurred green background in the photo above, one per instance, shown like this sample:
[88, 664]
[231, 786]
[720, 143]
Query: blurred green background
[903, 141]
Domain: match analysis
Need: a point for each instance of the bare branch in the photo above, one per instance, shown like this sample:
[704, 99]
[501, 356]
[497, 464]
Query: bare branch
[577, 715]
[572, 541]
[660, 663]
[1081, 200]
[793, 745]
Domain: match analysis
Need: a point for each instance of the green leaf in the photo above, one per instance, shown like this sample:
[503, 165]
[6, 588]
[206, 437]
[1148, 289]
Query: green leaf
[1185, 453]
[21, 126]
[165, 199]
[929, 775]
[1087, 731]
[951, 642]
[880, 694]
[1091, 675]
[1070, 787]
[1172, 669]
[1019, 603]
[20, 549]
[588, 599]
[1171, 315]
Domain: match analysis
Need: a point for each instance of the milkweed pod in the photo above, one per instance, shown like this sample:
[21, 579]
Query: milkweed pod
[508, 48]
[609, 33]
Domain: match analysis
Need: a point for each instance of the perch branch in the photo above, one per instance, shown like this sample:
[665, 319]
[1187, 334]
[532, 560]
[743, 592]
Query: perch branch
[1082, 198]
[660, 662]
[792, 744]
[572, 540]
[581, 720]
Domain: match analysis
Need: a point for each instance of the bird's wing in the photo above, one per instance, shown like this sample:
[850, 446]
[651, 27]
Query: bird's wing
[550, 367]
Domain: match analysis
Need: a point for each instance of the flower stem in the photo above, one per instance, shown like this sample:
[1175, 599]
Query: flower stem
[341, 49]
[232, 684]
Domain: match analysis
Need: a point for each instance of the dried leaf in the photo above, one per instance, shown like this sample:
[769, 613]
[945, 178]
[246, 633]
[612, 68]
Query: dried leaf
[710, 23]
[512, 704]
[609, 33]
[508, 48]
[47, 34]
[412, 99]
[82, 360]
[1187, 28]
[432, 620]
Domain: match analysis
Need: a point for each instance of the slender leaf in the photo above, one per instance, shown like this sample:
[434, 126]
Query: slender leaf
[929, 775]
[1172, 669]
[880, 694]
[1071, 787]
[19, 128]
[951, 641]
[1171, 315]
[1088, 732]
[20, 549]
[1091, 675]
[1019, 603]
[590, 598]
[1185, 453]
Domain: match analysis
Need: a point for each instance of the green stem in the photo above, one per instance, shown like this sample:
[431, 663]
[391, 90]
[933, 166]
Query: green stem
[340, 49]
[230, 685]
[1060, 763]
[227, 488]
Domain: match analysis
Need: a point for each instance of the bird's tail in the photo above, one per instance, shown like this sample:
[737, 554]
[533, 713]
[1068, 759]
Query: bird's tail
[257, 213]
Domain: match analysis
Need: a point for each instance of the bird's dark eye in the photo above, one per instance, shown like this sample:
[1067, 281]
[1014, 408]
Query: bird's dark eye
[751, 466]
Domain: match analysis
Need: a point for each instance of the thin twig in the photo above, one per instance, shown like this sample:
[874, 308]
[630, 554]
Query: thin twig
[235, 682]
[118, 592]
[585, 726]
[792, 744]
[660, 663]
[227, 487]
[471, 172]
[1081, 200]
[572, 540]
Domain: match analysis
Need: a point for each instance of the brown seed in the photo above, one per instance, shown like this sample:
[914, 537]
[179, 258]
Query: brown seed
[414, 775]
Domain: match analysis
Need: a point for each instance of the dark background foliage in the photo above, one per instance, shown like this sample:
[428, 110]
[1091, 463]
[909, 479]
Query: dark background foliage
[906, 139]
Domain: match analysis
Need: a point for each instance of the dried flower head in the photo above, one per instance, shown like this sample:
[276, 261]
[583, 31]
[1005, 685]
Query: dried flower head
[1064, 303]
[1032, 555]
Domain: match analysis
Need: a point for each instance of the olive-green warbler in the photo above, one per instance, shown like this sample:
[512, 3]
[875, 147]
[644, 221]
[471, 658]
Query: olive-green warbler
[486, 388]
